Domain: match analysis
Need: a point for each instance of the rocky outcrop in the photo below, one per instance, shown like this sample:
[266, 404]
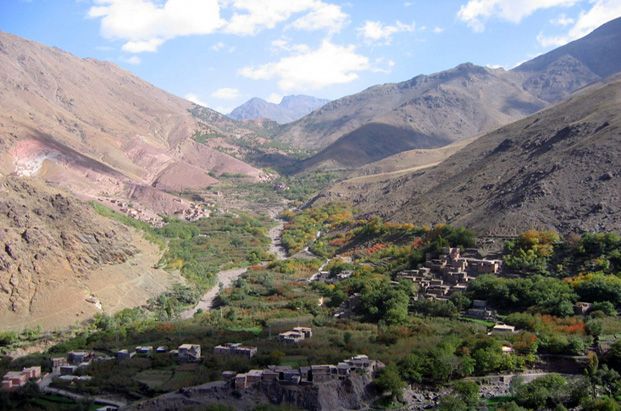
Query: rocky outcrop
[52, 243]
[352, 393]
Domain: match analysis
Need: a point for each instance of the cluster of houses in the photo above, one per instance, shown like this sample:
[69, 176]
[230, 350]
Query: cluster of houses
[235, 350]
[448, 273]
[309, 375]
[193, 213]
[329, 278]
[14, 380]
[184, 353]
[69, 368]
[131, 211]
[295, 335]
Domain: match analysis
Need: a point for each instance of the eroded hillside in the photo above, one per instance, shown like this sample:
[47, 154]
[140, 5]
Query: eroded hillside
[100, 131]
[60, 262]
[559, 168]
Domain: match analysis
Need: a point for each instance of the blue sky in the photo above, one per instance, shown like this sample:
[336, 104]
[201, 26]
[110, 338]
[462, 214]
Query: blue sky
[223, 52]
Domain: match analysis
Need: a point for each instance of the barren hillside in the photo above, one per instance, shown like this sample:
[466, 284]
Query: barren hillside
[443, 107]
[56, 252]
[98, 130]
[560, 168]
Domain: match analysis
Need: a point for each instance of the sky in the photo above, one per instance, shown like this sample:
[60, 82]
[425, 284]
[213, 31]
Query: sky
[220, 53]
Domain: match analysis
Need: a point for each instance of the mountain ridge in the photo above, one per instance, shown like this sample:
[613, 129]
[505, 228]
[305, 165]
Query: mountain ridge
[461, 102]
[556, 169]
[289, 109]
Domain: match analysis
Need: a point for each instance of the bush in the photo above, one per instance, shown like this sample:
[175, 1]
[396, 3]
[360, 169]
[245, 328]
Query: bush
[544, 392]
[390, 382]
[605, 307]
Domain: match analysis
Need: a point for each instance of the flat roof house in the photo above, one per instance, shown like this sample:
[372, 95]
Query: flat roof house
[501, 328]
[235, 349]
[78, 357]
[189, 352]
[13, 380]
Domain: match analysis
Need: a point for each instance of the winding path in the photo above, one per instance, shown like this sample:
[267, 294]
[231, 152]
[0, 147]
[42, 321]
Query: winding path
[227, 277]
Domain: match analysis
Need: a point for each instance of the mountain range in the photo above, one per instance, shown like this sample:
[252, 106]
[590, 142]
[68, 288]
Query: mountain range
[559, 168]
[433, 110]
[427, 150]
[289, 109]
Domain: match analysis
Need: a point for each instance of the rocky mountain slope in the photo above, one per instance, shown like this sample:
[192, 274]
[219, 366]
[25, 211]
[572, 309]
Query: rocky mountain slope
[559, 168]
[433, 110]
[289, 109]
[98, 130]
[60, 262]
[354, 392]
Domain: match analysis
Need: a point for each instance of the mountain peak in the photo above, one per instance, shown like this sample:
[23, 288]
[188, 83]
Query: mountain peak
[289, 109]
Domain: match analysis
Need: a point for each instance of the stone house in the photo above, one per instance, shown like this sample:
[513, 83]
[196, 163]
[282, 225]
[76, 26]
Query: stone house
[235, 349]
[189, 352]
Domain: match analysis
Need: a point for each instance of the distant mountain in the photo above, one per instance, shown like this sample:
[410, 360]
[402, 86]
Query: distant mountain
[424, 112]
[289, 109]
[559, 168]
[468, 100]
[556, 74]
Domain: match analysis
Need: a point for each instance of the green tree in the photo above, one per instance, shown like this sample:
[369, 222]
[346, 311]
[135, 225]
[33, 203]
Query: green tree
[389, 382]
[547, 391]
[452, 403]
[468, 392]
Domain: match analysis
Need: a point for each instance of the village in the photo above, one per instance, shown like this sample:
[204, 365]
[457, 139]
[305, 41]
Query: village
[184, 211]
[309, 375]
[74, 367]
[440, 278]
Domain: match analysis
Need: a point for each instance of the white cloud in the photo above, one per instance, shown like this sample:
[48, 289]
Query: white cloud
[223, 109]
[195, 99]
[377, 32]
[145, 25]
[141, 46]
[562, 20]
[601, 11]
[133, 60]
[252, 16]
[226, 93]
[382, 65]
[325, 66]
[328, 17]
[274, 98]
[219, 46]
[438, 29]
[284, 45]
[476, 12]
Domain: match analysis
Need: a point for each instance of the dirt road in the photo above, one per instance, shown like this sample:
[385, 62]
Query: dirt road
[226, 278]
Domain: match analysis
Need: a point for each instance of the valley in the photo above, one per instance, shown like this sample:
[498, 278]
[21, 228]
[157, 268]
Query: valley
[449, 242]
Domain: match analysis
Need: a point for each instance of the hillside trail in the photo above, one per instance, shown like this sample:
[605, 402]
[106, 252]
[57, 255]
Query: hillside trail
[389, 173]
